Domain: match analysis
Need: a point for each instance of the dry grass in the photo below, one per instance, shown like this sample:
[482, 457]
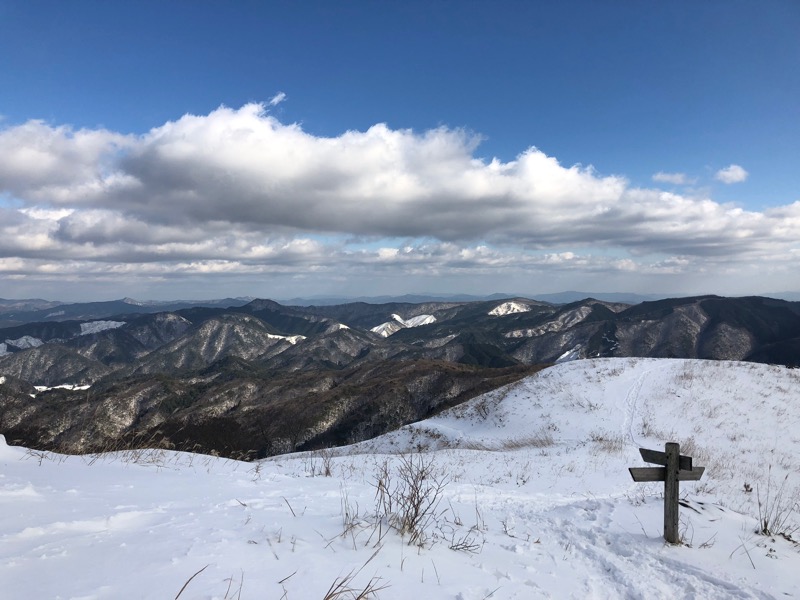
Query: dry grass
[408, 499]
[608, 442]
[342, 588]
[776, 508]
[543, 438]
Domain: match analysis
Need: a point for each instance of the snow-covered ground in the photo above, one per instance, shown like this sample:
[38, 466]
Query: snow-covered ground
[532, 494]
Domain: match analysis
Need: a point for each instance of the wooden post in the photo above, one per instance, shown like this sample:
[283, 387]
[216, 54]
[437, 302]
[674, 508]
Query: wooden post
[676, 468]
[672, 450]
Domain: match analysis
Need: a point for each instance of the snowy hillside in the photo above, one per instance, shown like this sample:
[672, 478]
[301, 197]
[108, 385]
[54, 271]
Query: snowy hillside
[526, 494]
[397, 323]
[98, 326]
[509, 308]
[26, 341]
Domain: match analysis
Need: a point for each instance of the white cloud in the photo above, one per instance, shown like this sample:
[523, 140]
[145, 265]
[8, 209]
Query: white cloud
[37, 155]
[237, 192]
[673, 178]
[277, 99]
[731, 174]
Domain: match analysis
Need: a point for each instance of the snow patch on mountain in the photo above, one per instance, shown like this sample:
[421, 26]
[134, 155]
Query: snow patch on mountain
[509, 308]
[58, 313]
[570, 355]
[63, 386]
[559, 323]
[439, 342]
[387, 329]
[25, 342]
[4, 349]
[398, 323]
[292, 339]
[420, 320]
[98, 326]
[335, 326]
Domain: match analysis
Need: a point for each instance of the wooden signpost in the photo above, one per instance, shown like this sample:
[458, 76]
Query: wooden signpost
[675, 468]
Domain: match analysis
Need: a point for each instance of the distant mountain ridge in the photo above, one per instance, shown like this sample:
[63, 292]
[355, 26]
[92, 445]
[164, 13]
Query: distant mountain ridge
[19, 312]
[495, 333]
[191, 369]
[555, 298]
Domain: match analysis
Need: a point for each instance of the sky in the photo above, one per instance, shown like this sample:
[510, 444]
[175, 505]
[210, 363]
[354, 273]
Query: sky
[278, 149]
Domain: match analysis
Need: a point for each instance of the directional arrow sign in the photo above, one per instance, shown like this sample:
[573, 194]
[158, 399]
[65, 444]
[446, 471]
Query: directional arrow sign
[660, 458]
[641, 474]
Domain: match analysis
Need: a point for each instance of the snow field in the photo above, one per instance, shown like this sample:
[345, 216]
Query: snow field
[535, 501]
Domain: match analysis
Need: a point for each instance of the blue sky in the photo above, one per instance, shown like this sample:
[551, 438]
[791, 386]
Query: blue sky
[660, 144]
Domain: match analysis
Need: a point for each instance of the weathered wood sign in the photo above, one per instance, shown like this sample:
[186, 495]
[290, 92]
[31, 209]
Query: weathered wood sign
[676, 468]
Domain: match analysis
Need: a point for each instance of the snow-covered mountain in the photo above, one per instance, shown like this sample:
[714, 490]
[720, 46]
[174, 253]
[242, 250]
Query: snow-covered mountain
[509, 308]
[530, 497]
[25, 342]
[490, 334]
[397, 323]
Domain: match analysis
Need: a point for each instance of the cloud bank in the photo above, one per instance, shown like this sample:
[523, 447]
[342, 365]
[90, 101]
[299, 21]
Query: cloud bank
[237, 192]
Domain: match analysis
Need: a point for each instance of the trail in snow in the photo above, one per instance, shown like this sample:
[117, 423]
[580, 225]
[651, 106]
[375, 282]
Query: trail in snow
[631, 399]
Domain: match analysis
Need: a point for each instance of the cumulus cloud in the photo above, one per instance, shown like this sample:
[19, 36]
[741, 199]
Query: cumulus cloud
[39, 157]
[244, 167]
[731, 174]
[673, 178]
[239, 192]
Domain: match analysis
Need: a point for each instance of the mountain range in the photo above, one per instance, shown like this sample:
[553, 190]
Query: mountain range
[255, 378]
